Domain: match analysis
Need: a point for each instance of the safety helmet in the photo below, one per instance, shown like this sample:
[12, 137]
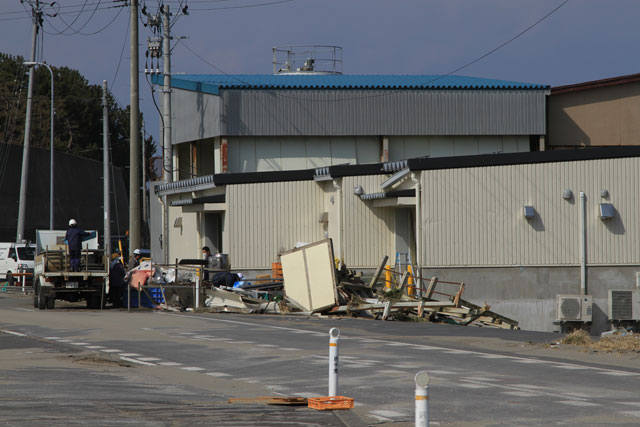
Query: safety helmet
[136, 252]
[72, 222]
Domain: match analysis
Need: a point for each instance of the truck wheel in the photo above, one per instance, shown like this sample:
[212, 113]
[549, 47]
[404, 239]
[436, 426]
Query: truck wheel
[51, 302]
[10, 278]
[42, 300]
[36, 299]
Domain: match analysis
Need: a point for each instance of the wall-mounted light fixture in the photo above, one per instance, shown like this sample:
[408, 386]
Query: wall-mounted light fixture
[358, 190]
[528, 212]
[567, 194]
[607, 211]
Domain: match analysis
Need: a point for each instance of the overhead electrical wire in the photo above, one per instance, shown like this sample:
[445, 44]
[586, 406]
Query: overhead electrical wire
[389, 92]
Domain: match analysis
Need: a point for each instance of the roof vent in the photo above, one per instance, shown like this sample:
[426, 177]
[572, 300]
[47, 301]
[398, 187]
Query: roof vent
[313, 59]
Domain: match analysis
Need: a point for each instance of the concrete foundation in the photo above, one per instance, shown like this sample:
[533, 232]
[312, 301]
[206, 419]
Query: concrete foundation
[528, 294]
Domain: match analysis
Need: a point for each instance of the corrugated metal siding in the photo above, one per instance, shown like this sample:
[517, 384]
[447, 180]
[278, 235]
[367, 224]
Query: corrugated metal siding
[379, 112]
[195, 116]
[473, 216]
[268, 218]
[369, 233]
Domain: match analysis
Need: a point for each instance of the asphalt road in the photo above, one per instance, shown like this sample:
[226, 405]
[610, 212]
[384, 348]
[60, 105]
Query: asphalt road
[72, 366]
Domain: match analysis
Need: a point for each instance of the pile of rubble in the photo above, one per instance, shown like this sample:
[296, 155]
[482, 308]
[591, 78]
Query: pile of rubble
[311, 284]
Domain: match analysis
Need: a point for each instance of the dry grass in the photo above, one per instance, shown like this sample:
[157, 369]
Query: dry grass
[609, 344]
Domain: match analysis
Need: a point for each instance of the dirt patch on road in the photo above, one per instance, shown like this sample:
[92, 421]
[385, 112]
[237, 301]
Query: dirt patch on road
[98, 359]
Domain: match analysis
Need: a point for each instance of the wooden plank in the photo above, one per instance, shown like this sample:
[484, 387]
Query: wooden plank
[379, 271]
[432, 287]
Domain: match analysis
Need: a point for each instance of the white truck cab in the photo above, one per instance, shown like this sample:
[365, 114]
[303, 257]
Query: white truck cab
[15, 257]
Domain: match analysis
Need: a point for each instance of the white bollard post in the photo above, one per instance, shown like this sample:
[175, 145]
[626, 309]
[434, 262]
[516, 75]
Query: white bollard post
[23, 278]
[422, 399]
[197, 299]
[334, 333]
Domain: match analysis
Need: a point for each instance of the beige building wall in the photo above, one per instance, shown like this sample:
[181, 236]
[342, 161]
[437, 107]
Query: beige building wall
[407, 147]
[595, 117]
[183, 234]
[473, 216]
[369, 232]
[261, 154]
[266, 219]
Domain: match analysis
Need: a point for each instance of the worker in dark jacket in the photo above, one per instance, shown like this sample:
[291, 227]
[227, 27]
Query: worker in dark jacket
[74, 242]
[116, 281]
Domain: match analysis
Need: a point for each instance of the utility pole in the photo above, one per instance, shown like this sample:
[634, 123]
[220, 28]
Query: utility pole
[35, 11]
[134, 140]
[105, 170]
[166, 133]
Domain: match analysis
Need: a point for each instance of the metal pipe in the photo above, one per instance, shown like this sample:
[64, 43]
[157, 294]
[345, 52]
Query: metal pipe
[418, 190]
[334, 333]
[422, 399]
[27, 131]
[583, 243]
[337, 185]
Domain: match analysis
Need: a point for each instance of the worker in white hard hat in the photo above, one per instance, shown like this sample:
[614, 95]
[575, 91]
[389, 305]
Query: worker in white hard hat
[134, 261]
[74, 242]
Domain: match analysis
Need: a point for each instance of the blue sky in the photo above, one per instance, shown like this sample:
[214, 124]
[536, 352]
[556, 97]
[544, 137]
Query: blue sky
[584, 40]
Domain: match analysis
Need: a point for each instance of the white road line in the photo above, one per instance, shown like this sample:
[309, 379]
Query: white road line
[631, 413]
[169, 363]
[472, 385]
[561, 366]
[244, 342]
[128, 354]
[482, 379]
[520, 393]
[217, 374]
[18, 334]
[459, 352]
[267, 345]
[65, 340]
[290, 349]
[424, 347]
[441, 372]
[95, 347]
[52, 338]
[495, 356]
[79, 343]
[616, 373]
[577, 403]
[137, 362]
[149, 359]
[192, 368]
[110, 350]
[397, 344]
[25, 309]
[529, 360]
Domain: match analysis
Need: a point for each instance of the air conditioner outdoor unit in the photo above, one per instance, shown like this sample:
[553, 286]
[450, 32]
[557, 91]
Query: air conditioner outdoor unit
[624, 305]
[574, 308]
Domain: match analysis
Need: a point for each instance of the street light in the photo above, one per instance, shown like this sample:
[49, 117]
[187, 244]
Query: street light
[32, 64]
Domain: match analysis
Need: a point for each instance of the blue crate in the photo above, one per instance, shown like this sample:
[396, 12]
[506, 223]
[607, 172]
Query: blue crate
[156, 295]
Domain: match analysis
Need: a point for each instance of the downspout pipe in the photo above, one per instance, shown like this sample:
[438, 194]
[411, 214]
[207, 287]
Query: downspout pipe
[415, 177]
[337, 184]
[583, 243]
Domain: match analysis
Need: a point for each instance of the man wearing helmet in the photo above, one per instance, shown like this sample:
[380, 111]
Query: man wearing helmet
[134, 261]
[74, 242]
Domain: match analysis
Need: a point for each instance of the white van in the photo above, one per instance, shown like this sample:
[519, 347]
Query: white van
[14, 257]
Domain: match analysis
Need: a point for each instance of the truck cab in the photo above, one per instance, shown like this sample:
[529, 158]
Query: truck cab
[14, 258]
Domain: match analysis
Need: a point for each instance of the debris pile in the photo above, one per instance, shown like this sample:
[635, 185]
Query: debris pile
[310, 281]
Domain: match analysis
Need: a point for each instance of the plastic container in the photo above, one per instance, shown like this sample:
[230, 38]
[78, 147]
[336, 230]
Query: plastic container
[330, 403]
[156, 295]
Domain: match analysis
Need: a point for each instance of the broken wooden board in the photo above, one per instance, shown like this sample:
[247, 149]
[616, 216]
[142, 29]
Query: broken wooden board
[272, 400]
[310, 277]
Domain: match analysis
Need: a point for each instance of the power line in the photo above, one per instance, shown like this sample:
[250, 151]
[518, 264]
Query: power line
[388, 92]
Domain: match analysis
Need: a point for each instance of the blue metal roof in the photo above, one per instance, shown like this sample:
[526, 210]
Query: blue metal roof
[213, 83]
